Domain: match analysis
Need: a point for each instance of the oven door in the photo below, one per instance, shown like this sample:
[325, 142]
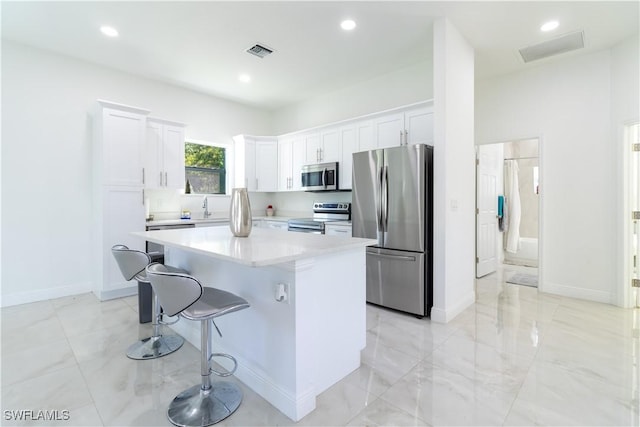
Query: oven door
[320, 177]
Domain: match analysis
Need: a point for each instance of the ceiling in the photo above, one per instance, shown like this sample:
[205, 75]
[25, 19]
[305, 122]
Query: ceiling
[201, 45]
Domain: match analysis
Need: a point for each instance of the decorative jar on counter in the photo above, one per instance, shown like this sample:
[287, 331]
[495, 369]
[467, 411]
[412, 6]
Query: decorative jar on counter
[240, 220]
[270, 210]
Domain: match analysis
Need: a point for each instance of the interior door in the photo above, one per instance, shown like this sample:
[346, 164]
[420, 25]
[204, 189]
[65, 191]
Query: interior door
[487, 234]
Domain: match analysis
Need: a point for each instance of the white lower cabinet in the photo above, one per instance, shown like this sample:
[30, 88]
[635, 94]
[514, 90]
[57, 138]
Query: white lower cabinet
[337, 229]
[276, 225]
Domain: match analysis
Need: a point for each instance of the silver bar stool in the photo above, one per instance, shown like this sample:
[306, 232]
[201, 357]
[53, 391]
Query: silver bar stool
[209, 402]
[132, 264]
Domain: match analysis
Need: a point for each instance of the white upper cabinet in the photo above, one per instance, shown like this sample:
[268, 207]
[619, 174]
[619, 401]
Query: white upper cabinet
[285, 164]
[312, 148]
[418, 125]
[291, 158]
[164, 157]
[256, 161]
[348, 146]
[364, 135]
[389, 130]
[266, 165]
[334, 143]
[120, 139]
[330, 145]
[413, 126]
[323, 147]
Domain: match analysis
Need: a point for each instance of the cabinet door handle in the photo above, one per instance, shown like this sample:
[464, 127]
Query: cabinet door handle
[256, 183]
[406, 137]
[401, 134]
[160, 179]
[166, 181]
[142, 176]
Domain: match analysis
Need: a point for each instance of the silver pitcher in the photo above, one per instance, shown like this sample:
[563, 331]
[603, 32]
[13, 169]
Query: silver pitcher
[240, 221]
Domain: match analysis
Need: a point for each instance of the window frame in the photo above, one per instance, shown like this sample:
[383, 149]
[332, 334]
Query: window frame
[228, 161]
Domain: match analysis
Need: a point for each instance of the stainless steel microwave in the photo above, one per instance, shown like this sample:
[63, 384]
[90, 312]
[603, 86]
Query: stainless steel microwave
[320, 177]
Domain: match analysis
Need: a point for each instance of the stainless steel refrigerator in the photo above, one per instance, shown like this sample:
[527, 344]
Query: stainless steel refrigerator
[392, 202]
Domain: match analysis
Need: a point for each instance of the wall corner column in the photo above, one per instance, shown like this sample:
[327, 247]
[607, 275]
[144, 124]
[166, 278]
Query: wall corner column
[454, 171]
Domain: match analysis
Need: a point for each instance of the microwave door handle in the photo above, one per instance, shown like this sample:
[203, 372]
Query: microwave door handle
[324, 181]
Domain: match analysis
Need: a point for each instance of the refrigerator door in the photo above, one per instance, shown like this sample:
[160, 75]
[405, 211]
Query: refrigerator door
[404, 190]
[365, 205]
[395, 279]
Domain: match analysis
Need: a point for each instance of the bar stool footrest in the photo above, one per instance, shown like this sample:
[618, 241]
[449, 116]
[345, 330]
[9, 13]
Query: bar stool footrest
[221, 373]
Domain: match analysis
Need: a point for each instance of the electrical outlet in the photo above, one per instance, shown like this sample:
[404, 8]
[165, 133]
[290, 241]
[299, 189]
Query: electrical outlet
[281, 292]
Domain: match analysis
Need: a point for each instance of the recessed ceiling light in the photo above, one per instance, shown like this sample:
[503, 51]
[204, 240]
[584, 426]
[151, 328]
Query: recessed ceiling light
[109, 31]
[348, 25]
[548, 26]
[244, 78]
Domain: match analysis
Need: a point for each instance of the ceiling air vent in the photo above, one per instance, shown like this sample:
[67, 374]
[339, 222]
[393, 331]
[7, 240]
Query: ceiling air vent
[259, 50]
[562, 44]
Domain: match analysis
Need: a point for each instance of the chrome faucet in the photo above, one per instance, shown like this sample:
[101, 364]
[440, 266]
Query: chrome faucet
[205, 206]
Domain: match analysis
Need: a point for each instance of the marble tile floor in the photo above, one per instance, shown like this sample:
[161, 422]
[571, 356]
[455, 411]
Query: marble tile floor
[516, 357]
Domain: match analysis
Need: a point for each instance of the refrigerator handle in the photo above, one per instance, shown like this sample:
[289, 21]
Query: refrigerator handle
[379, 209]
[385, 197]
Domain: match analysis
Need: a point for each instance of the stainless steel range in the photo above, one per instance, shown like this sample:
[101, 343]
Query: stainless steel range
[322, 212]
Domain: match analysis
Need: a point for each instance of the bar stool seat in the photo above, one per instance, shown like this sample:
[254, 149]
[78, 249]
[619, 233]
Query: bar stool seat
[209, 402]
[132, 264]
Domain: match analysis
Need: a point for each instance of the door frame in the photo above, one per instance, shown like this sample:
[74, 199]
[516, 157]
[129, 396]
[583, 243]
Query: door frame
[625, 294]
[541, 175]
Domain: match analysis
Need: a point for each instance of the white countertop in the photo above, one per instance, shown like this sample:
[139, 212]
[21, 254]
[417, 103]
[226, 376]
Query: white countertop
[262, 248]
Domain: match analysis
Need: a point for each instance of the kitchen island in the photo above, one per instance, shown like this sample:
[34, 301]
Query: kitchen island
[307, 322]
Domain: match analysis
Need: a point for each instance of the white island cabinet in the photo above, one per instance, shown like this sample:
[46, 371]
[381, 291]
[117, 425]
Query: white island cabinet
[304, 330]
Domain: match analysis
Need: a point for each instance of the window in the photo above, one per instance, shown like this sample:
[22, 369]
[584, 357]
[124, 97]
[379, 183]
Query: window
[205, 168]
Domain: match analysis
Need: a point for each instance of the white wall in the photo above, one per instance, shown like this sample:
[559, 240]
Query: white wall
[402, 87]
[46, 155]
[454, 173]
[568, 104]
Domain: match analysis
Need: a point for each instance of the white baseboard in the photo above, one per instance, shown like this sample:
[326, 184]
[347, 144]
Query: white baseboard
[44, 294]
[579, 293]
[445, 315]
[259, 382]
[126, 291]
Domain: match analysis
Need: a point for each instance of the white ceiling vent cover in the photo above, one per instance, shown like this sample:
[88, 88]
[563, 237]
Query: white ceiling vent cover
[562, 44]
[260, 50]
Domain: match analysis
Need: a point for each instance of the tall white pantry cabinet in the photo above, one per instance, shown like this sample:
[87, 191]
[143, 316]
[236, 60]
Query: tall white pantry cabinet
[118, 191]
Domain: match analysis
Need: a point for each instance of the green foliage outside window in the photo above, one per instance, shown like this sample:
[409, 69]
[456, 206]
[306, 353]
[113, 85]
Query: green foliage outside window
[205, 168]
